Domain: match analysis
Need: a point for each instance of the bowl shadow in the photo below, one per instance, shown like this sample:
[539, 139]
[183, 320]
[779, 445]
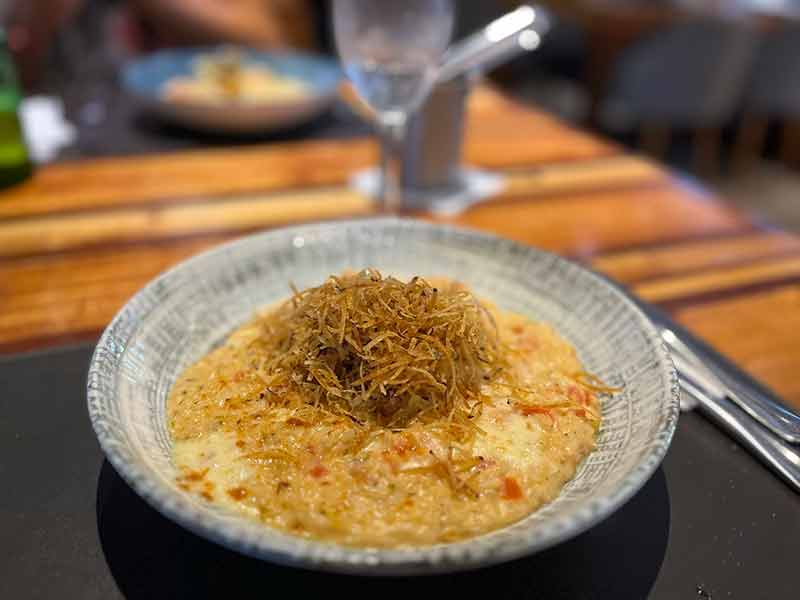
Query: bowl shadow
[334, 122]
[149, 556]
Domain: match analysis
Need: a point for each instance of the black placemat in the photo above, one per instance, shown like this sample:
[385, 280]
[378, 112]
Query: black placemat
[128, 130]
[711, 523]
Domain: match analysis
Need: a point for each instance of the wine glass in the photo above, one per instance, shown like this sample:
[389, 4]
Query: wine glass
[391, 53]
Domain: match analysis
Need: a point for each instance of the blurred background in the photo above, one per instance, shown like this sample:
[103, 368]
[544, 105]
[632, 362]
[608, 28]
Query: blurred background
[710, 87]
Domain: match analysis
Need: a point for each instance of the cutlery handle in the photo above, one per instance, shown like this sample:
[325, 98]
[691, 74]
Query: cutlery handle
[782, 458]
[782, 422]
[785, 423]
[499, 41]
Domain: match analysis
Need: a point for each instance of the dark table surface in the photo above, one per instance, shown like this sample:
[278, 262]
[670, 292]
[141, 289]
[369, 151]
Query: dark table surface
[711, 523]
[110, 122]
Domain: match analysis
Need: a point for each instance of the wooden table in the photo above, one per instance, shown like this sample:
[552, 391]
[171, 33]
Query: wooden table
[80, 238]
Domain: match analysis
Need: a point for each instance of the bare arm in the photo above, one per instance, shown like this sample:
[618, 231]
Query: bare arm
[31, 27]
[260, 23]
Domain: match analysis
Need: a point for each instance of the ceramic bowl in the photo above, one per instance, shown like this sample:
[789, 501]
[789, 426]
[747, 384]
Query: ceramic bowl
[187, 311]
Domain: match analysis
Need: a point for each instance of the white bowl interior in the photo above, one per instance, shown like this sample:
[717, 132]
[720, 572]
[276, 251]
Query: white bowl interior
[184, 313]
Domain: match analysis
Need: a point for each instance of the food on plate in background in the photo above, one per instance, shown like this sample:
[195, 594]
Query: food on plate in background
[227, 77]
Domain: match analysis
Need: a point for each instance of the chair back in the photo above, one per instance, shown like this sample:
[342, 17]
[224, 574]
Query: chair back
[774, 87]
[692, 74]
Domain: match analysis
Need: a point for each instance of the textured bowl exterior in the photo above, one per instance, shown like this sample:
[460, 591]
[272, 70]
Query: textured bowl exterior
[187, 311]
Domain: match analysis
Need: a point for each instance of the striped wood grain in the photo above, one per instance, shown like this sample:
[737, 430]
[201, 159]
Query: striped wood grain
[80, 238]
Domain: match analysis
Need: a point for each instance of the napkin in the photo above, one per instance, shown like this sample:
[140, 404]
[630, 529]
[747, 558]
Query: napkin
[45, 128]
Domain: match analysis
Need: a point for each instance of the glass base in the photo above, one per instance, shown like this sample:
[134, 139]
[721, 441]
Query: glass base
[472, 186]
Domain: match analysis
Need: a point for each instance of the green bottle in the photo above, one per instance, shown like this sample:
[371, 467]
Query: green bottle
[15, 164]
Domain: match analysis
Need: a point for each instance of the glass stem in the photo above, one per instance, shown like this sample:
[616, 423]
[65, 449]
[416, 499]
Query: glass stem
[394, 134]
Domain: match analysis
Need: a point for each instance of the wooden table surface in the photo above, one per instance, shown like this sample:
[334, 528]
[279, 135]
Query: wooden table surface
[80, 238]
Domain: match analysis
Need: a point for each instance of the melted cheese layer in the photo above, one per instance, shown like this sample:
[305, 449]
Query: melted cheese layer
[385, 488]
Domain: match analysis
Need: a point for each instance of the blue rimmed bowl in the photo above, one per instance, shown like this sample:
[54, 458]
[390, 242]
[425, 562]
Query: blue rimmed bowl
[184, 313]
[145, 79]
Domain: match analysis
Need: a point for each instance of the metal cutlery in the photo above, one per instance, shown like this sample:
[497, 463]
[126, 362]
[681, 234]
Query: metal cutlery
[760, 424]
[514, 33]
[781, 421]
[781, 457]
[694, 361]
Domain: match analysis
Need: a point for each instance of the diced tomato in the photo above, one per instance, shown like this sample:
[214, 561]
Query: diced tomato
[195, 475]
[575, 393]
[533, 410]
[390, 460]
[318, 471]
[403, 445]
[511, 489]
[578, 394]
[580, 413]
[536, 410]
[237, 493]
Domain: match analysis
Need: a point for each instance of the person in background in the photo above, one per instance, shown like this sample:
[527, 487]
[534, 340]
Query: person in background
[257, 23]
[37, 29]
[31, 27]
